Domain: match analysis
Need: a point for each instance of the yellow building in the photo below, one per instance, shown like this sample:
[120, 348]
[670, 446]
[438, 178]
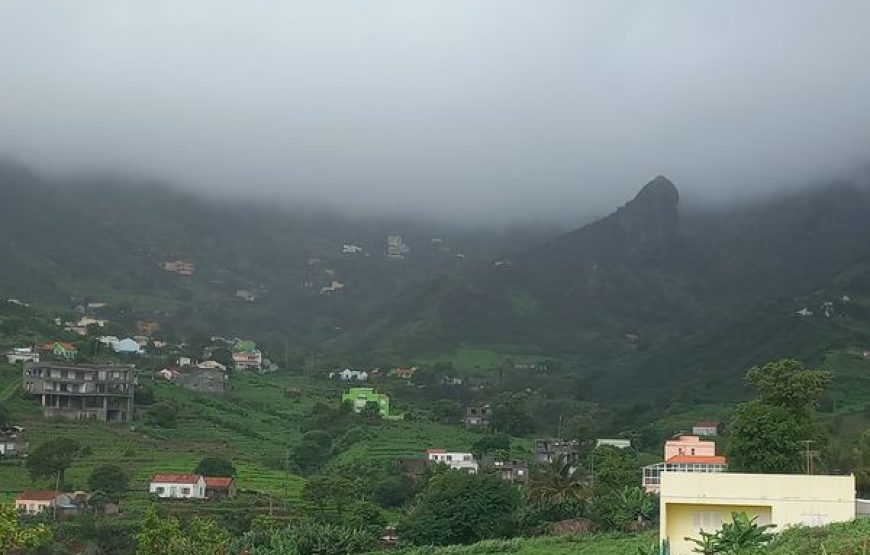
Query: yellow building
[692, 502]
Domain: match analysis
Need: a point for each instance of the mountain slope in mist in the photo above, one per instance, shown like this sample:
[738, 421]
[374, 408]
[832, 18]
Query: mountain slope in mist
[648, 291]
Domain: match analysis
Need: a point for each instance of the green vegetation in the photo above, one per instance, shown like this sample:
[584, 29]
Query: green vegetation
[767, 432]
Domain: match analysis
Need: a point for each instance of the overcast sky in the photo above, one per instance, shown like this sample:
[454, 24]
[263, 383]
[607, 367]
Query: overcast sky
[473, 108]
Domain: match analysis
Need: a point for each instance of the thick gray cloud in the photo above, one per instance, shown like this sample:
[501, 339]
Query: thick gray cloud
[475, 108]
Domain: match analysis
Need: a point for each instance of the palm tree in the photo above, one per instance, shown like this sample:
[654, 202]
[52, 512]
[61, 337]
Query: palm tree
[558, 482]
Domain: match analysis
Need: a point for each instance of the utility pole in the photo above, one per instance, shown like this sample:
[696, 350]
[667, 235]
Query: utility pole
[808, 455]
[56, 489]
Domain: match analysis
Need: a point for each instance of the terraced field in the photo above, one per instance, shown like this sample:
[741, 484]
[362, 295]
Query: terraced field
[255, 425]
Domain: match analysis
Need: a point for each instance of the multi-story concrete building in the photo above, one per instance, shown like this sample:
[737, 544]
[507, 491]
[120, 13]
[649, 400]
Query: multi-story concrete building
[81, 391]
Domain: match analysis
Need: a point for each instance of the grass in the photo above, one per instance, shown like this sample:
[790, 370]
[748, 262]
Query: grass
[592, 544]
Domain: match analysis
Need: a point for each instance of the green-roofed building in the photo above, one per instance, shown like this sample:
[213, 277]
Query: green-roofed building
[359, 397]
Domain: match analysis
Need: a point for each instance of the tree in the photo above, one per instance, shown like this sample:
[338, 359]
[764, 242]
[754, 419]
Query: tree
[393, 491]
[365, 515]
[786, 383]
[557, 482]
[371, 413]
[510, 414]
[109, 479]
[629, 509]
[456, 507]
[15, 536]
[446, 411]
[4, 416]
[215, 466]
[52, 458]
[164, 536]
[614, 469]
[314, 450]
[765, 439]
[330, 492]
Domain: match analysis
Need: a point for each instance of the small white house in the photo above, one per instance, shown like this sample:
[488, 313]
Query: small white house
[618, 443]
[455, 460]
[177, 486]
[128, 346]
[109, 341]
[348, 375]
[22, 354]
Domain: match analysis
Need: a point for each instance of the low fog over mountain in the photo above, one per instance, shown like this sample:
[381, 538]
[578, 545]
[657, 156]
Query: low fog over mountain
[495, 109]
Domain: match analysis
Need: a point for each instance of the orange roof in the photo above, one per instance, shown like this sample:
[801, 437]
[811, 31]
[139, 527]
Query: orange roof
[697, 459]
[217, 482]
[436, 451]
[36, 495]
[176, 478]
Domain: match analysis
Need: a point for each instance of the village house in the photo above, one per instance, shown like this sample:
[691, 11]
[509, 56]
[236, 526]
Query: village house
[36, 501]
[22, 354]
[333, 287]
[128, 347]
[169, 374]
[403, 373]
[207, 365]
[618, 443]
[348, 375]
[12, 443]
[80, 391]
[684, 453]
[464, 462]
[549, 450]
[109, 341]
[351, 249]
[359, 397]
[179, 267]
[178, 486]
[60, 349]
[514, 471]
[706, 428]
[692, 502]
[477, 417]
[203, 380]
[246, 295]
[246, 356]
[219, 487]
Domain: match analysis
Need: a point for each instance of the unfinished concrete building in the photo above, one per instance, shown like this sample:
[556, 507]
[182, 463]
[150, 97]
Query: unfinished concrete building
[82, 391]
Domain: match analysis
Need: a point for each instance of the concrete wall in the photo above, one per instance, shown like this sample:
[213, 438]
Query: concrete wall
[691, 502]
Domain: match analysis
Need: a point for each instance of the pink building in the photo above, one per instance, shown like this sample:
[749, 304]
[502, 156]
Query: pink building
[689, 445]
[684, 453]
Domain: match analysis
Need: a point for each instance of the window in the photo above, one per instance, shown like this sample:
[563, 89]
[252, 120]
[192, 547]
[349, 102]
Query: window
[185, 491]
[707, 520]
[159, 490]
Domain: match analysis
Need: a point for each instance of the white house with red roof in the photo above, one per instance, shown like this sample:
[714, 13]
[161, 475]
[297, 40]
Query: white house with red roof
[684, 453]
[178, 486]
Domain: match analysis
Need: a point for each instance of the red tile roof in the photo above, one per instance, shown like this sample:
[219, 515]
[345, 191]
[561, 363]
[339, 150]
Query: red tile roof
[217, 482]
[436, 451]
[697, 459]
[36, 495]
[706, 424]
[176, 478]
